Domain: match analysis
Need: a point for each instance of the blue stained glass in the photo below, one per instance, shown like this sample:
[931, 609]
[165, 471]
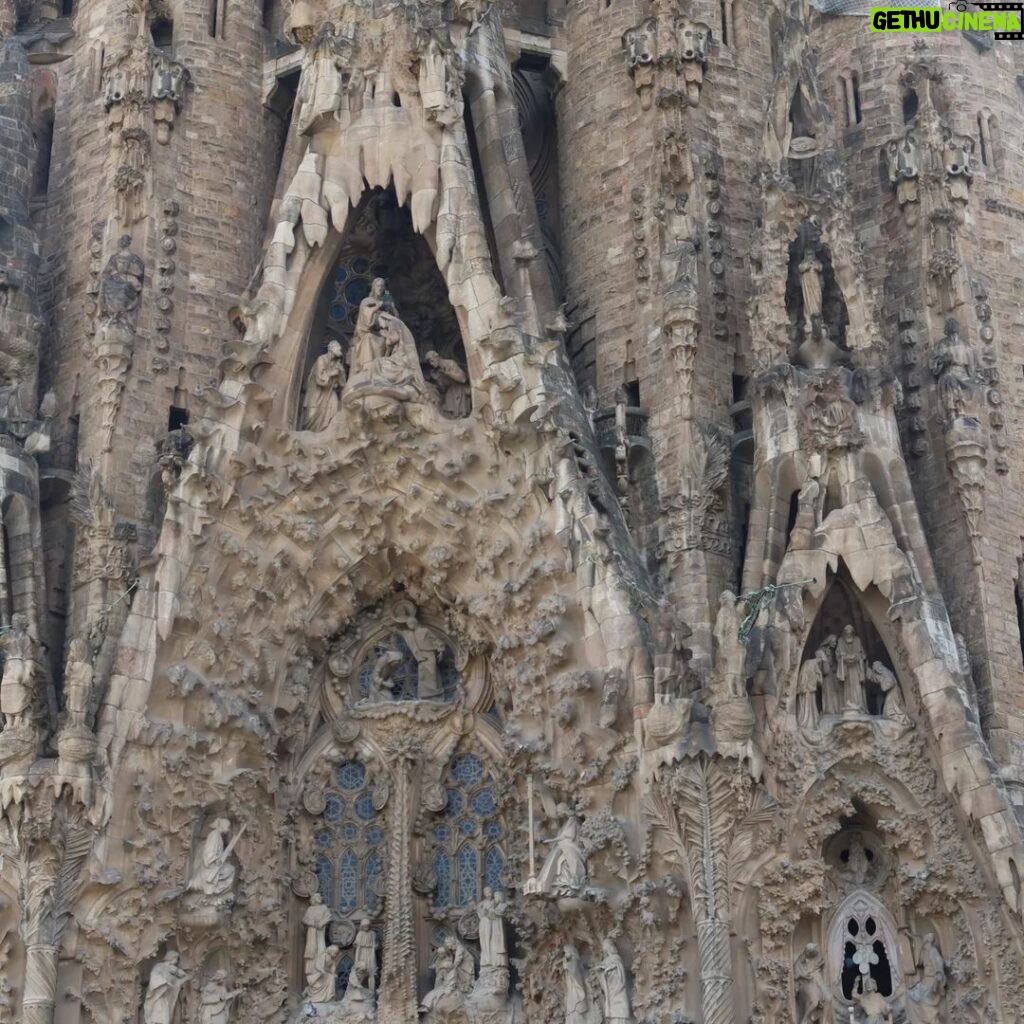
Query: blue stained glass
[364, 807]
[494, 868]
[348, 877]
[342, 972]
[334, 809]
[493, 830]
[323, 838]
[467, 876]
[467, 827]
[351, 775]
[442, 833]
[443, 872]
[356, 290]
[454, 804]
[349, 832]
[483, 803]
[340, 275]
[338, 311]
[375, 835]
[374, 869]
[322, 870]
[360, 266]
[467, 770]
[448, 673]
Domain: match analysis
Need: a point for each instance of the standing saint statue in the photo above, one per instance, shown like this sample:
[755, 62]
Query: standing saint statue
[491, 912]
[366, 952]
[323, 389]
[565, 870]
[165, 981]
[892, 706]
[426, 647]
[809, 682]
[810, 269]
[577, 1002]
[19, 668]
[852, 670]
[77, 684]
[316, 919]
[831, 697]
[215, 1000]
[812, 996]
[614, 985]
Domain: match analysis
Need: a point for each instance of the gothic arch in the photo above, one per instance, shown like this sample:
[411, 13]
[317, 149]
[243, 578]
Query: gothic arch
[862, 914]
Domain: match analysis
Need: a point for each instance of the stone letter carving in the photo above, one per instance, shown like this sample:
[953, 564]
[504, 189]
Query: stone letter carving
[323, 389]
[165, 981]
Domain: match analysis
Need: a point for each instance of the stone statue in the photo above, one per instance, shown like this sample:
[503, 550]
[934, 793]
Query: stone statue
[731, 651]
[215, 1000]
[926, 996]
[165, 981]
[358, 1000]
[121, 282]
[214, 874]
[491, 911]
[957, 153]
[381, 688]
[812, 995]
[453, 977]
[316, 919]
[322, 977]
[323, 389]
[669, 652]
[902, 159]
[831, 693]
[385, 367]
[872, 1003]
[16, 689]
[954, 366]
[614, 985]
[893, 706]
[426, 647]
[366, 952]
[452, 385]
[78, 684]
[809, 682]
[810, 269]
[565, 869]
[852, 670]
[577, 1002]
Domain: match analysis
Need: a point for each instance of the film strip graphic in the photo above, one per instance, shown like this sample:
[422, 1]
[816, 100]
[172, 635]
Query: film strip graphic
[1018, 8]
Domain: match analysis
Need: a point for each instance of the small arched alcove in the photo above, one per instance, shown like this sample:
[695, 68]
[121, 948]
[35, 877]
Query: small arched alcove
[380, 243]
[814, 301]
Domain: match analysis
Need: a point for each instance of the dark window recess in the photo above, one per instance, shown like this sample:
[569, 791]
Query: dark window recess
[44, 151]
[161, 31]
[1018, 600]
[214, 4]
[632, 389]
[910, 104]
[177, 418]
[67, 8]
[855, 86]
[724, 10]
[268, 14]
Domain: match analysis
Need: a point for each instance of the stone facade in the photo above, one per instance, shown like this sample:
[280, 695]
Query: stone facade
[510, 511]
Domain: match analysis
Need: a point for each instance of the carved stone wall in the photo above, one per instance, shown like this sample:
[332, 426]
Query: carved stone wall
[383, 640]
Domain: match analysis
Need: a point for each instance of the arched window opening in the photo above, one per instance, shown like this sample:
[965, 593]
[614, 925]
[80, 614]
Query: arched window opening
[161, 31]
[988, 130]
[350, 847]
[910, 105]
[67, 8]
[728, 22]
[44, 153]
[382, 244]
[864, 958]
[468, 837]
[854, 101]
[1018, 600]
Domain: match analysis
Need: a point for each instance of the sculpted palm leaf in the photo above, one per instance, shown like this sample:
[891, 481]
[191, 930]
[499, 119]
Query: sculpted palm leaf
[707, 460]
[77, 844]
[662, 816]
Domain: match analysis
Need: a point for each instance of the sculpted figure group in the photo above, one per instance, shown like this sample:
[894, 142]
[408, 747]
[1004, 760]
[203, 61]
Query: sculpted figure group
[834, 682]
[384, 374]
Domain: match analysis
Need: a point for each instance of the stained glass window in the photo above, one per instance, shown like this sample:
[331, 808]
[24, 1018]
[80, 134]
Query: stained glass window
[352, 280]
[468, 836]
[350, 844]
